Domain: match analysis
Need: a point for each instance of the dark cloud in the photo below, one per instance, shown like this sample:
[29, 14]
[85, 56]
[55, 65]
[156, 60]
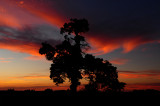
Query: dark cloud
[33, 34]
[28, 39]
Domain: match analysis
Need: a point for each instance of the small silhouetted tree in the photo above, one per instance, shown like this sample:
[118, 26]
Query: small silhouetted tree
[102, 75]
[69, 60]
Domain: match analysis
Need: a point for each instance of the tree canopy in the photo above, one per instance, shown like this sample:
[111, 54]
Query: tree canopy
[71, 61]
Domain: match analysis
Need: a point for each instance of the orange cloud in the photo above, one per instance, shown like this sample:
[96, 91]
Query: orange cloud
[5, 61]
[131, 43]
[32, 77]
[16, 16]
[6, 58]
[44, 12]
[138, 80]
[139, 74]
[34, 58]
[6, 17]
[131, 87]
[28, 48]
[21, 2]
[122, 75]
[119, 61]
[54, 20]
[9, 21]
[20, 46]
[104, 44]
[100, 47]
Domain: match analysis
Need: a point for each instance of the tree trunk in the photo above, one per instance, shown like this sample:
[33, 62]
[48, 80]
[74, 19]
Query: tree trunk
[73, 88]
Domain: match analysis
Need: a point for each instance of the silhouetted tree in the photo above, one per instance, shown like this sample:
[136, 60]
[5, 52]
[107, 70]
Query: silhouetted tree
[69, 59]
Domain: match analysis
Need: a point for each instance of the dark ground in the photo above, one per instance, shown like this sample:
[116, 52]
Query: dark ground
[84, 98]
[50, 93]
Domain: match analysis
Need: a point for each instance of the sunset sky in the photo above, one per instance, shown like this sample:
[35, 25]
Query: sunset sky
[125, 32]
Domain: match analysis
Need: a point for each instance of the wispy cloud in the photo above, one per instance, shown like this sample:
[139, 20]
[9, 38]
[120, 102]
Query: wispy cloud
[119, 61]
[27, 40]
[142, 86]
[2, 58]
[32, 77]
[152, 74]
[34, 58]
[5, 60]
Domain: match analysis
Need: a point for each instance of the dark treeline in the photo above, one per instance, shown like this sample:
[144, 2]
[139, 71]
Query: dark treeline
[51, 93]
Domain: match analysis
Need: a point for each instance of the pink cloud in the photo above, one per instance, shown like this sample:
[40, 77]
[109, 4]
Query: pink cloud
[102, 45]
[5, 61]
[20, 46]
[142, 86]
[34, 58]
[11, 14]
[139, 74]
[10, 58]
[32, 77]
[119, 61]
[132, 43]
